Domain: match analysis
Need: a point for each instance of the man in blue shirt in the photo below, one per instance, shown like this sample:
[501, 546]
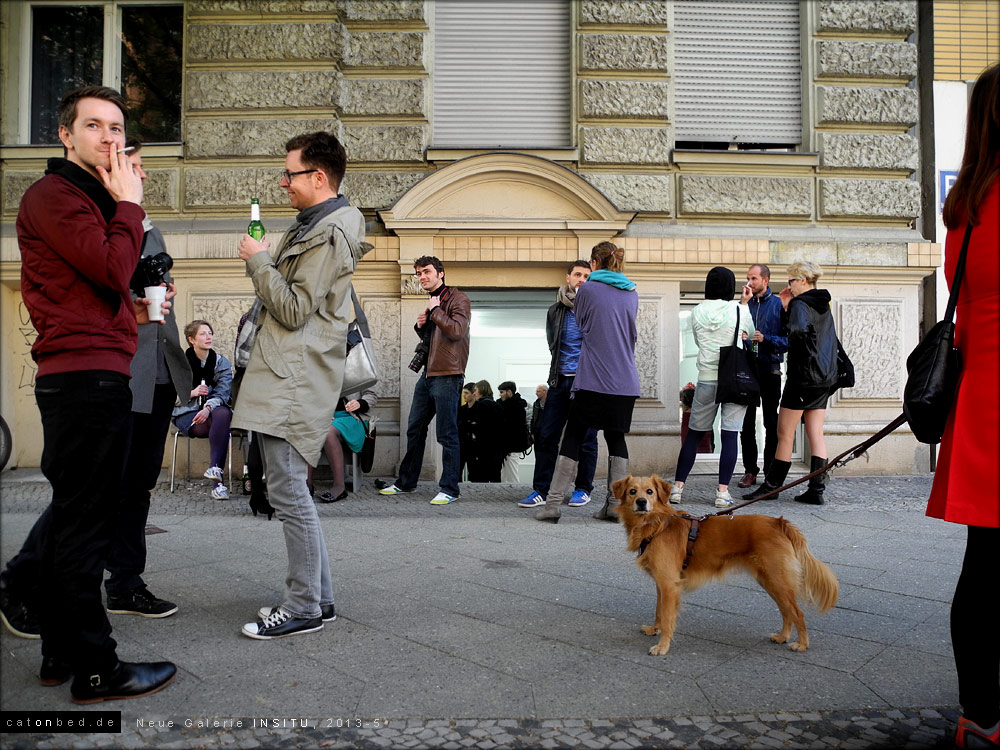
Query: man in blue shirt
[565, 341]
[770, 347]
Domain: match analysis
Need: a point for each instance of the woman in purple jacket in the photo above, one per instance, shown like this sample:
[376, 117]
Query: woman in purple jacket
[607, 383]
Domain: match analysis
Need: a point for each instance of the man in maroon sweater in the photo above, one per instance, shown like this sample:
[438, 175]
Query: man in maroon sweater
[80, 232]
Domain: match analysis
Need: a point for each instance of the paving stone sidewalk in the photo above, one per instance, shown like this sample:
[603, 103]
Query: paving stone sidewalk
[471, 625]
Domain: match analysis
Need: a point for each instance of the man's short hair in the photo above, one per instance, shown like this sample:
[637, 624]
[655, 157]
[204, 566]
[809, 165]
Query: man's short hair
[508, 385]
[67, 105]
[428, 260]
[765, 272]
[543, 386]
[321, 150]
[577, 264]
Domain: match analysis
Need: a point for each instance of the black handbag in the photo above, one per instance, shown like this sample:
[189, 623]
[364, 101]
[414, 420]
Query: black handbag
[934, 368]
[367, 455]
[845, 369]
[738, 381]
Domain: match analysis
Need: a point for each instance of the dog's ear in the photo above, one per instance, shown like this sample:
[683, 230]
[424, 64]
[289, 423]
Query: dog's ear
[663, 488]
[618, 488]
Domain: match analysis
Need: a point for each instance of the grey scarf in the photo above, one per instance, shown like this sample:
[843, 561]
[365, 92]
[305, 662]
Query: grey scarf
[566, 295]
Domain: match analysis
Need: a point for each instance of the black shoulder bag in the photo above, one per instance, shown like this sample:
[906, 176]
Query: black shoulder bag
[738, 381]
[934, 367]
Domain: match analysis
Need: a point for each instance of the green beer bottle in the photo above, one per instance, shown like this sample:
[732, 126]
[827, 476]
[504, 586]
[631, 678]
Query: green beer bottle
[256, 229]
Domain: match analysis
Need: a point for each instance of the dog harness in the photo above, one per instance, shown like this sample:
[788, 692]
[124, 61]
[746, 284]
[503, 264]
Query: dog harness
[695, 522]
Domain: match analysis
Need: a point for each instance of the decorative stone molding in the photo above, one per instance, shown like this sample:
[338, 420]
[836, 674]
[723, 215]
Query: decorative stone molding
[879, 16]
[863, 105]
[384, 143]
[748, 196]
[377, 189]
[223, 311]
[871, 254]
[636, 192]
[221, 138]
[384, 96]
[14, 185]
[409, 285]
[623, 52]
[871, 331]
[265, 42]
[626, 145]
[160, 189]
[647, 348]
[870, 150]
[632, 12]
[785, 252]
[262, 89]
[621, 99]
[866, 59]
[218, 187]
[377, 49]
[383, 319]
[897, 199]
[256, 7]
[383, 10]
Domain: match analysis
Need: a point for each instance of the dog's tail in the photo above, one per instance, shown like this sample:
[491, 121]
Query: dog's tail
[818, 581]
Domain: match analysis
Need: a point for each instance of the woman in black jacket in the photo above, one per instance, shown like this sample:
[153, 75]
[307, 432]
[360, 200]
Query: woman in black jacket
[485, 426]
[811, 376]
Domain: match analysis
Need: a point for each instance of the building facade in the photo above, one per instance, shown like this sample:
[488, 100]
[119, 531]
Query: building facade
[508, 138]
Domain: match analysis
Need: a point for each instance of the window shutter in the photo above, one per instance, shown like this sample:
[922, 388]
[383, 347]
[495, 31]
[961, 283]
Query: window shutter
[502, 74]
[737, 71]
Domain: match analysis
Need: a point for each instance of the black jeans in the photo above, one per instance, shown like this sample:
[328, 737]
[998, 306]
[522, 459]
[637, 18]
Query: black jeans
[127, 555]
[770, 396]
[974, 629]
[550, 432]
[85, 418]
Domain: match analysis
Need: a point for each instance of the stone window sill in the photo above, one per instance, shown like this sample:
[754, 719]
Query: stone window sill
[14, 152]
[698, 159]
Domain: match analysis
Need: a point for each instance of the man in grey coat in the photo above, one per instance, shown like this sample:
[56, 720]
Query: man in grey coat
[296, 367]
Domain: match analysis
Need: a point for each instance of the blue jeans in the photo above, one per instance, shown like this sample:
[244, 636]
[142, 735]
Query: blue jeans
[438, 395]
[308, 584]
[554, 418]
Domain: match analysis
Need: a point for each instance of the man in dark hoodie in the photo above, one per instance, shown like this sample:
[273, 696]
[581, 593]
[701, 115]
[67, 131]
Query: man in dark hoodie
[80, 231]
[516, 438]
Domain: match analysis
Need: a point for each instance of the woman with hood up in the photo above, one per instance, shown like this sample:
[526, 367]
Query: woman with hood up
[714, 323]
[811, 376]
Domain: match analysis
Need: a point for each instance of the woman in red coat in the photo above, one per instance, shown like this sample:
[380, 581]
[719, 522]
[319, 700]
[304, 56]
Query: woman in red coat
[970, 449]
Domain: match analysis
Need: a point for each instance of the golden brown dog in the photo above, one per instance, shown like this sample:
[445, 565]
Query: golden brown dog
[772, 550]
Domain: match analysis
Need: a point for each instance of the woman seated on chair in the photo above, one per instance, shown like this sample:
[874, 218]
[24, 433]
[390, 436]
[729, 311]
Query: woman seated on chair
[347, 426]
[207, 413]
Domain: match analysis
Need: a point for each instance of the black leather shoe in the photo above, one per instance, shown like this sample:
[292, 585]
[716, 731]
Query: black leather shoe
[129, 680]
[327, 497]
[749, 480]
[54, 671]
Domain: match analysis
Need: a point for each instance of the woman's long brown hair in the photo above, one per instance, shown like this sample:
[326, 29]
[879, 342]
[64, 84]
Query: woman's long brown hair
[981, 161]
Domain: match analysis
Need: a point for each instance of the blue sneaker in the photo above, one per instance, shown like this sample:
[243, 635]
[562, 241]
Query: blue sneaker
[579, 499]
[532, 501]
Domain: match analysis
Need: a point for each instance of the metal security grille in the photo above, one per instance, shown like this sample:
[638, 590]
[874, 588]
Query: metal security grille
[738, 71]
[502, 74]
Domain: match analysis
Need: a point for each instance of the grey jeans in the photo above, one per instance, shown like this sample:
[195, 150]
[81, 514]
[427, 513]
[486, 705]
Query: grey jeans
[308, 584]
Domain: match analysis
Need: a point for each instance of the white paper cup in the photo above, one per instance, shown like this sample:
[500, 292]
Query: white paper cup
[156, 296]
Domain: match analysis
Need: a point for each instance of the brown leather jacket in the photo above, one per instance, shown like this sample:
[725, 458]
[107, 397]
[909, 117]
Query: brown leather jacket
[450, 342]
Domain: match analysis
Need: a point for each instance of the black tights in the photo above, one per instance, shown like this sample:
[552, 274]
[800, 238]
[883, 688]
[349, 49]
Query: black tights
[974, 629]
[576, 432]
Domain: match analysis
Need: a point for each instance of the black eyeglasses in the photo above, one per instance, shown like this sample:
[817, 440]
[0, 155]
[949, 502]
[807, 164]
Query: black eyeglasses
[287, 176]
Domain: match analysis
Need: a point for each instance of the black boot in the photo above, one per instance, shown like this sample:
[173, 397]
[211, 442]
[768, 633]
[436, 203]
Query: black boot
[817, 485]
[774, 479]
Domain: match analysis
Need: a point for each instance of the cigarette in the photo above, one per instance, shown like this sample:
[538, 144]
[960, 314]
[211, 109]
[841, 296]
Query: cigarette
[126, 150]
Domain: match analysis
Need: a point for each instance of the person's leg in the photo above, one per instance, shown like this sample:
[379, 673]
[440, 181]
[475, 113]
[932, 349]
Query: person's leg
[20, 581]
[565, 468]
[334, 451]
[617, 469]
[788, 420]
[770, 396]
[127, 554]
[727, 461]
[550, 431]
[815, 419]
[748, 441]
[588, 462]
[813, 495]
[421, 414]
[700, 421]
[446, 392]
[685, 459]
[84, 467]
[218, 435]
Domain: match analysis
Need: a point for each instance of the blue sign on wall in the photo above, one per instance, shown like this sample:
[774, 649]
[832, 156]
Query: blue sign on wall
[946, 178]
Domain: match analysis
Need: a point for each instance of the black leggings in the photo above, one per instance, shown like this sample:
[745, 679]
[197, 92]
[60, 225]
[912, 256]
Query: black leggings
[576, 432]
[974, 630]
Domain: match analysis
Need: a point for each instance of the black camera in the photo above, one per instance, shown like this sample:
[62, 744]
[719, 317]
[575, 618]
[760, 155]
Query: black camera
[420, 355]
[150, 271]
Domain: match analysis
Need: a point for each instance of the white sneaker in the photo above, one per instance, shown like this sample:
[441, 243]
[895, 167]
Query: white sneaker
[214, 473]
[219, 492]
[723, 499]
[675, 494]
[393, 490]
[443, 498]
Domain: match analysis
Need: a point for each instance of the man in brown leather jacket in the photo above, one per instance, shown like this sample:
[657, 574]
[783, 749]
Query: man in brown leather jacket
[443, 328]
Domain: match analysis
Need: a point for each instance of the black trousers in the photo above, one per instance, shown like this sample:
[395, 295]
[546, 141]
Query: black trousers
[974, 628]
[84, 466]
[770, 396]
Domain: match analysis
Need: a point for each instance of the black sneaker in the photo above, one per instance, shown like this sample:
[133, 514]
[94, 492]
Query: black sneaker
[140, 602]
[279, 624]
[16, 616]
[327, 612]
[54, 671]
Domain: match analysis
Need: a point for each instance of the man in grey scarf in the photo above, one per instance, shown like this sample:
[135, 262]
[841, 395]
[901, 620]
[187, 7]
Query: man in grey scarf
[565, 340]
